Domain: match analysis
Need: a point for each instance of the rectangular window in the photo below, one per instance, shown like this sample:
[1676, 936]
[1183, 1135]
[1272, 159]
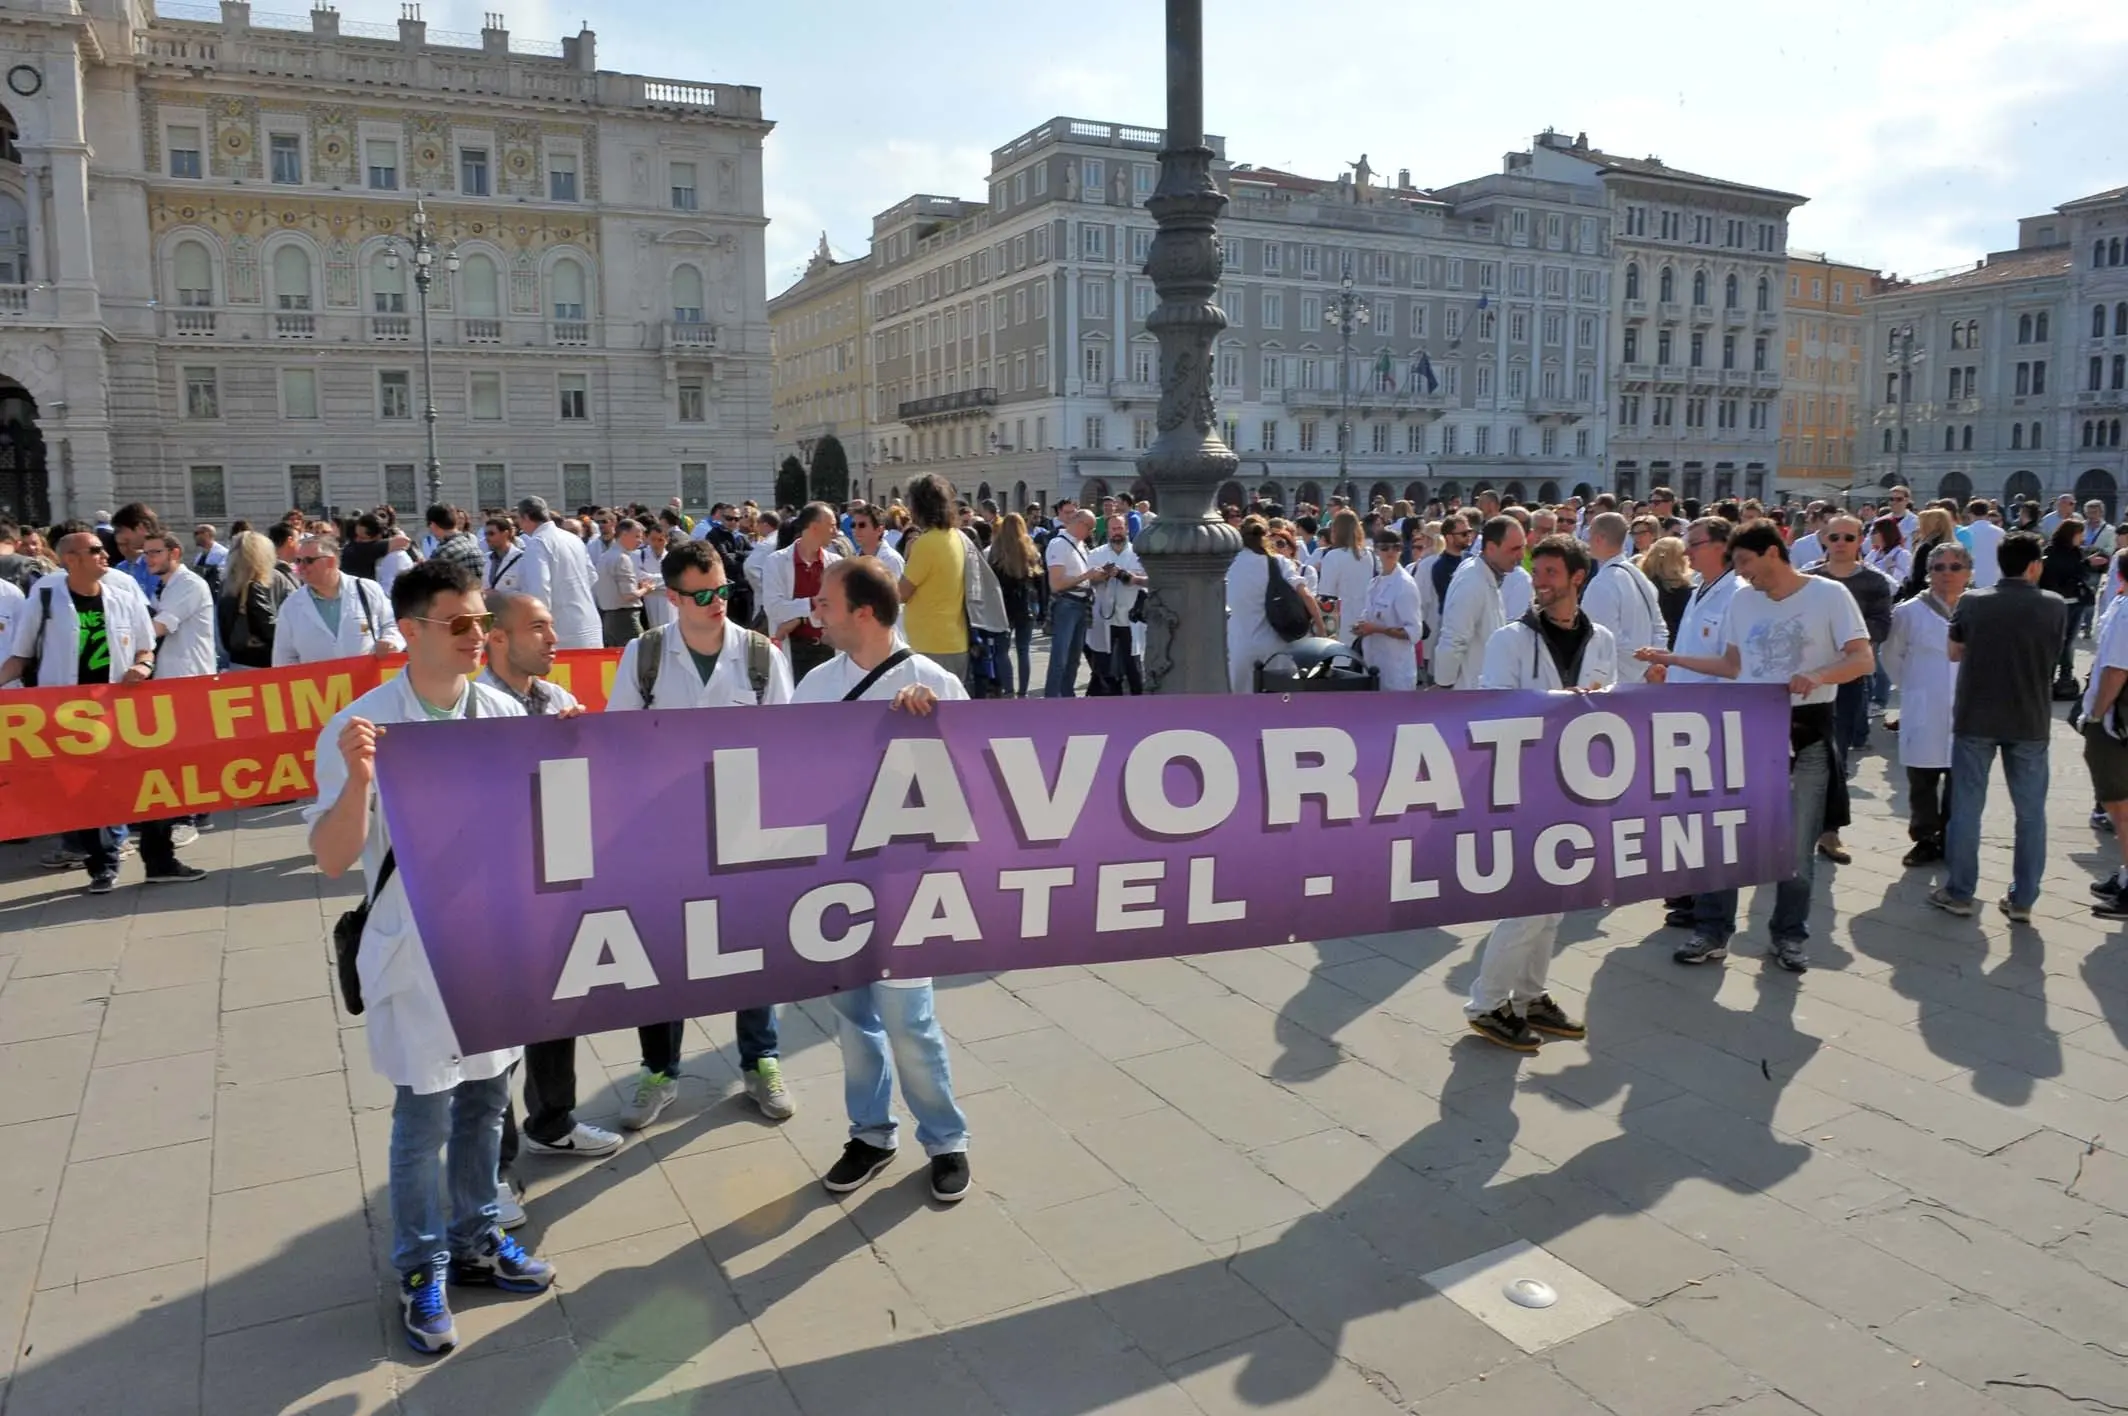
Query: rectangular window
[1485, 381]
[1581, 442]
[382, 157]
[399, 486]
[1141, 433]
[1096, 432]
[299, 393]
[1093, 364]
[692, 407]
[1548, 441]
[210, 492]
[491, 484]
[287, 153]
[561, 177]
[1311, 312]
[1307, 435]
[1514, 441]
[1418, 320]
[473, 172]
[1270, 372]
[694, 484]
[1093, 241]
[395, 394]
[202, 394]
[1311, 260]
[1093, 179]
[683, 186]
[1381, 437]
[184, 151]
[1267, 436]
[306, 488]
[484, 398]
[1481, 441]
[1274, 310]
[2039, 376]
[1094, 298]
[1385, 318]
[575, 397]
[1488, 275]
[1273, 255]
[1448, 440]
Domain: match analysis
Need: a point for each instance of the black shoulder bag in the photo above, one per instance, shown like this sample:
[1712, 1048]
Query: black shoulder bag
[347, 930]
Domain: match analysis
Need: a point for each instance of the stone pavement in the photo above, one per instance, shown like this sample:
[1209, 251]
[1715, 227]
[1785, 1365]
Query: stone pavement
[1206, 1185]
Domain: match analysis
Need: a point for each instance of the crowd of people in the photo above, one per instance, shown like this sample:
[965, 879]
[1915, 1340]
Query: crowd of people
[1971, 611]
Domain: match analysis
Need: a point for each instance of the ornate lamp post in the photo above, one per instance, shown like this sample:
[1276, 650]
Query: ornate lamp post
[1347, 312]
[419, 248]
[1187, 548]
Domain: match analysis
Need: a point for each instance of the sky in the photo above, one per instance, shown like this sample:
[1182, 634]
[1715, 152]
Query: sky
[1919, 129]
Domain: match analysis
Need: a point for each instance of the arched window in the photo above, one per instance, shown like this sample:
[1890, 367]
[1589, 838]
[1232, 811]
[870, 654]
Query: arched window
[14, 227]
[1887, 439]
[2092, 430]
[2115, 439]
[2035, 435]
[2120, 318]
[291, 278]
[2024, 329]
[1699, 287]
[568, 290]
[1666, 286]
[481, 287]
[1950, 439]
[2098, 254]
[1765, 294]
[1972, 334]
[1633, 282]
[1966, 440]
[387, 285]
[192, 270]
[687, 295]
[2039, 328]
[2017, 435]
[1729, 292]
[2113, 251]
[2120, 370]
[2098, 321]
[1957, 336]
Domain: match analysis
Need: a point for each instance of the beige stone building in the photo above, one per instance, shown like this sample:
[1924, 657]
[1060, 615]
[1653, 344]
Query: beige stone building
[1825, 325]
[199, 308]
[817, 335]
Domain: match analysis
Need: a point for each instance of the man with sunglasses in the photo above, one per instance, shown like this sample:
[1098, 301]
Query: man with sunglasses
[337, 616]
[790, 578]
[1917, 656]
[1475, 605]
[1435, 571]
[448, 1105]
[870, 534]
[703, 660]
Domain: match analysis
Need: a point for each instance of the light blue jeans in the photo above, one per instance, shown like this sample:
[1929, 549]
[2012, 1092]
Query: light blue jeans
[1714, 913]
[1067, 639]
[2024, 765]
[445, 1149]
[874, 1019]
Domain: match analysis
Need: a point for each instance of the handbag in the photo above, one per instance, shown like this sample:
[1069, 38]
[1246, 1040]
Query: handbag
[1284, 611]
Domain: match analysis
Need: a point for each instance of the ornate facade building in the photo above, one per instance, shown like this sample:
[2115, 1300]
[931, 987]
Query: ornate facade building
[201, 306]
[1825, 329]
[817, 331]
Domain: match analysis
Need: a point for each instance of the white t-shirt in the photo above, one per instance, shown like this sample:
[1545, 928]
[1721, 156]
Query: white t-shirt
[1984, 540]
[1806, 550]
[832, 680]
[1065, 553]
[391, 566]
[1778, 639]
[2111, 652]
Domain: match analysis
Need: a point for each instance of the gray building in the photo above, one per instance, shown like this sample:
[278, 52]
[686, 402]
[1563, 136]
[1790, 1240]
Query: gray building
[2009, 378]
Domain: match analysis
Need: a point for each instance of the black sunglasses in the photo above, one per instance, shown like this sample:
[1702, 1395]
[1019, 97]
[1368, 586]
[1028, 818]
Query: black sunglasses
[706, 598]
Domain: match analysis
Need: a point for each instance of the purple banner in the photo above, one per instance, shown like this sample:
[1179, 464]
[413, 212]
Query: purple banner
[619, 869]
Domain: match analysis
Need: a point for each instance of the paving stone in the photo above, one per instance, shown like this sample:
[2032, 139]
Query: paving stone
[578, 1204]
[281, 1130]
[1287, 1371]
[52, 1005]
[656, 1300]
[1212, 1191]
[1073, 1360]
[33, 1156]
[281, 1040]
[1024, 1158]
[762, 1212]
[937, 1250]
[332, 1360]
[1969, 1184]
[546, 1377]
[1643, 1364]
[287, 1248]
[1102, 1017]
[171, 961]
[282, 973]
[1224, 1097]
[20, 1249]
[139, 1027]
[2026, 1367]
[126, 1213]
[60, 951]
[1522, 1386]
[1071, 1083]
[146, 1105]
[130, 1343]
[982, 1009]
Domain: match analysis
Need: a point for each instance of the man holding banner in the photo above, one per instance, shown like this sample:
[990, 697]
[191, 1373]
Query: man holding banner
[858, 606]
[448, 1108]
[1555, 646]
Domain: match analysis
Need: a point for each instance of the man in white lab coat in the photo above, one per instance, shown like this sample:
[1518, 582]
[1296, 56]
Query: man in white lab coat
[1622, 599]
[557, 569]
[334, 616]
[1917, 656]
[1472, 609]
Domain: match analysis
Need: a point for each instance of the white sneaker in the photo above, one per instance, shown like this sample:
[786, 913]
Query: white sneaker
[184, 833]
[764, 1083]
[653, 1093]
[508, 1212]
[583, 1139]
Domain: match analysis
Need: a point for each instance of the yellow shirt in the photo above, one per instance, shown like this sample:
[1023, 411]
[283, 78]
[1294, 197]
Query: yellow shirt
[936, 616]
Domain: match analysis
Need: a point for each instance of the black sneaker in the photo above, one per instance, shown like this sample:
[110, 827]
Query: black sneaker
[860, 1162]
[176, 873]
[950, 1177]
[1701, 949]
[103, 884]
[2107, 889]
[2112, 907]
[1679, 919]
[1923, 853]
[1789, 954]
[1549, 1018]
[1503, 1028]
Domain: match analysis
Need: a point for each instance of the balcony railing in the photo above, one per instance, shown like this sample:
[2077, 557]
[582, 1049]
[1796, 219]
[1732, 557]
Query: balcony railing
[14, 299]
[943, 404]
[393, 328]
[294, 325]
[482, 331]
[1733, 316]
[1125, 391]
[192, 324]
[1636, 309]
[1670, 312]
[1638, 373]
[1766, 378]
[1703, 314]
[571, 332]
[690, 334]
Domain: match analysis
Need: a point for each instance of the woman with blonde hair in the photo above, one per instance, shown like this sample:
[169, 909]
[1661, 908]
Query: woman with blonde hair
[249, 607]
[1019, 571]
[1346, 570]
[1665, 566]
[1250, 638]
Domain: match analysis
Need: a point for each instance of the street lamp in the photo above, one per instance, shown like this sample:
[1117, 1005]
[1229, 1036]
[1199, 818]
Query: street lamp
[421, 251]
[1347, 313]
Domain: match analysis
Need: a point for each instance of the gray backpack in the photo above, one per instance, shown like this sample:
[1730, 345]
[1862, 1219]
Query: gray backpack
[650, 652]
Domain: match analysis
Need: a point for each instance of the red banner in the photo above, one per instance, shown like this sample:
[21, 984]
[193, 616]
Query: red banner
[106, 754]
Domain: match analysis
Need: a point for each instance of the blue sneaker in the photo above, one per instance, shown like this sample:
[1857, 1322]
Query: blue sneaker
[426, 1312]
[501, 1262]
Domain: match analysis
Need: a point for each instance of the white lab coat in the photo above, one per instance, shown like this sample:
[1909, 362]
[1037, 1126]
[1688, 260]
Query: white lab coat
[300, 635]
[1517, 593]
[1348, 575]
[508, 573]
[1699, 629]
[1429, 602]
[1469, 617]
[1917, 656]
[1113, 600]
[1515, 657]
[1250, 638]
[185, 612]
[678, 685]
[756, 563]
[11, 609]
[127, 624]
[1623, 600]
[1392, 599]
[558, 570]
[779, 576]
[411, 1040]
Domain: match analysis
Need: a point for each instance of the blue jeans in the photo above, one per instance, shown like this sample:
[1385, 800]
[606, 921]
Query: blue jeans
[2025, 765]
[1022, 648]
[757, 1039]
[1850, 715]
[872, 1020]
[1714, 913]
[1067, 640]
[446, 1147]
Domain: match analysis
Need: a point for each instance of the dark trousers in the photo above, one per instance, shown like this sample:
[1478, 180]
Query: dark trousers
[101, 847]
[1850, 715]
[1022, 649]
[1115, 669]
[806, 656]
[2065, 667]
[757, 1039]
[621, 626]
[1928, 795]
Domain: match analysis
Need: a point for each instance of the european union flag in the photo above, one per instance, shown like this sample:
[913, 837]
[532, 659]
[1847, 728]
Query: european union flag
[1424, 370]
